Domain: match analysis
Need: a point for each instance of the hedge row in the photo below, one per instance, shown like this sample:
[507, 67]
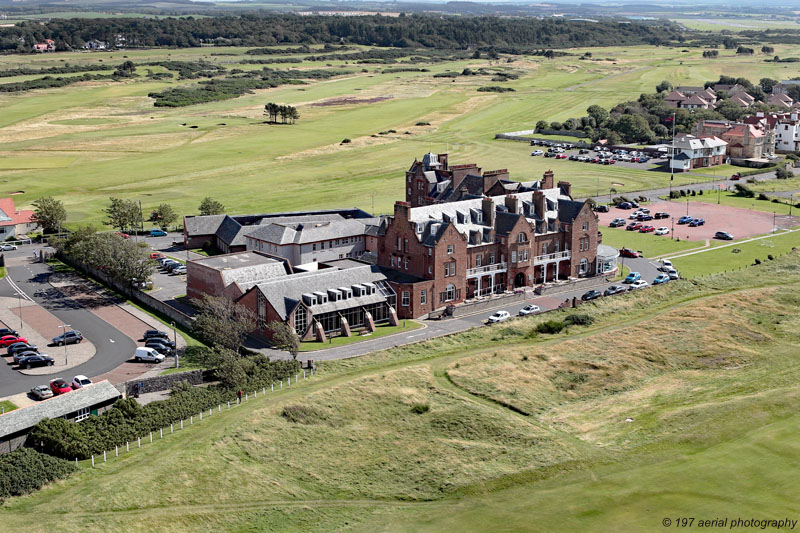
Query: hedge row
[25, 470]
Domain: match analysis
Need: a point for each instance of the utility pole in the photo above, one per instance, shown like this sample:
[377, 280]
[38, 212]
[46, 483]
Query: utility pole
[175, 341]
[672, 157]
[64, 327]
[19, 301]
[672, 233]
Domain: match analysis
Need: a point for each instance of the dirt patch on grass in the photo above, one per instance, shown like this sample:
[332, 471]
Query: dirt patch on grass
[350, 100]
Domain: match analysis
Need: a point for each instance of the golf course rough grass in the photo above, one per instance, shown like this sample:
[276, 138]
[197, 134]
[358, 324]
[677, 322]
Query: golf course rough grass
[676, 401]
[86, 142]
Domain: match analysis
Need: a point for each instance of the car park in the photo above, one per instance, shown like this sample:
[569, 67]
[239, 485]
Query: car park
[638, 284]
[696, 222]
[614, 289]
[41, 392]
[632, 277]
[537, 152]
[663, 230]
[661, 278]
[627, 252]
[529, 309]
[21, 347]
[148, 355]
[158, 233]
[561, 156]
[68, 337]
[661, 215]
[673, 274]
[8, 340]
[499, 316]
[80, 381]
[7, 247]
[36, 360]
[634, 226]
[59, 386]
[685, 219]
[644, 217]
[647, 229]
[624, 205]
[616, 223]
[591, 295]
[151, 333]
[724, 235]
[22, 354]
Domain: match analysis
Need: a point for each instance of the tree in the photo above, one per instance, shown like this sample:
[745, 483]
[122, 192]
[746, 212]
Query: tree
[49, 213]
[782, 174]
[664, 86]
[164, 215]
[767, 84]
[599, 114]
[634, 128]
[476, 55]
[541, 125]
[284, 337]
[730, 110]
[209, 206]
[767, 50]
[222, 323]
[123, 214]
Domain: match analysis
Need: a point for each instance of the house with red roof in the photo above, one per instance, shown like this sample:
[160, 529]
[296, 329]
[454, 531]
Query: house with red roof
[15, 223]
[745, 141]
[49, 45]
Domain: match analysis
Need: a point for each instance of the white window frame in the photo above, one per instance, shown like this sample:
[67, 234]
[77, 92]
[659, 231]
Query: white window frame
[405, 299]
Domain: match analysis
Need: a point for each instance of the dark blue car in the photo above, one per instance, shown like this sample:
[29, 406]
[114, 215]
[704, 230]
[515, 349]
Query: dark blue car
[696, 222]
[685, 219]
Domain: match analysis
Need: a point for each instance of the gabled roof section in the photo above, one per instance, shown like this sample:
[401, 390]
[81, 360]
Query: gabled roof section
[568, 210]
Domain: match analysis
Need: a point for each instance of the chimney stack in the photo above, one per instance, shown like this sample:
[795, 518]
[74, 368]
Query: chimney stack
[566, 188]
[539, 204]
[487, 206]
[548, 180]
[512, 203]
[402, 210]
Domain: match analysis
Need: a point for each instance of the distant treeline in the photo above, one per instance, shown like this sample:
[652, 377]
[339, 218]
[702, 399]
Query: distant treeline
[65, 69]
[426, 31]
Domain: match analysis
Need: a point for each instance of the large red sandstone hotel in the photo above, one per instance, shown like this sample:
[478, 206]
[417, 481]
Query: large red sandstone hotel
[437, 252]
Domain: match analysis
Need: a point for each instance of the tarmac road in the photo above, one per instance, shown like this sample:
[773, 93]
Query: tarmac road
[113, 347]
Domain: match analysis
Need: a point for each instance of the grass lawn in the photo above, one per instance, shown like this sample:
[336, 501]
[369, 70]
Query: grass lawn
[7, 406]
[381, 331]
[732, 199]
[2, 272]
[696, 417]
[650, 245]
[791, 184]
[723, 259]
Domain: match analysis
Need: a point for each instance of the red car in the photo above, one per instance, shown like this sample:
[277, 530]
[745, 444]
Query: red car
[646, 229]
[156, 255]
[59, 386]
[8, 340]
[627, 252]
[561, 156]
[634, 226]
[123, 235]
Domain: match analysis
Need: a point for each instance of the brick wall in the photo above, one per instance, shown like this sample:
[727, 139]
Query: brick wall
[201, 279]
[576, 233]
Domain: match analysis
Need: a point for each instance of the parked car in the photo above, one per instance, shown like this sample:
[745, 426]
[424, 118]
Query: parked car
[634, 203]
[154, 333]
[661, 215]
[638, 284]
[178, 270]
[59, 386]
[616, 223]
[583, 151]
[609, 161]
[158, 233]
[148, 355]
[696, 222]
[21, 347]
[627, 252]
[537, 152]
[36, 360]
[647, 229]
[22, 354]
[8, 340]
[80, 381]
[634, 215]
[673, 274]
[632, 277]
[735, 177]
[41, 392]
[123, 235]
[665, 265]
[68, 337]
[156, 255]
[644, 217]
[499, 316]
[549, 154]
[529, 309]
[634, 226]
[685, 219]
[724, 235]
[663, 230]
[561, 156]
[624, 205]
[7, 331]
[160, 348]
[661, 278]
[591, 295]
[7, 247]
[614, 289]
[172, 266]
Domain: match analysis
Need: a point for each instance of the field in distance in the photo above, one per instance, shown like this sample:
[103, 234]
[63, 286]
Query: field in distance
[91, 140]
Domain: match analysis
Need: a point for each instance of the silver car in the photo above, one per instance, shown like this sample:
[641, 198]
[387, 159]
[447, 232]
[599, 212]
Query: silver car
[41, 392]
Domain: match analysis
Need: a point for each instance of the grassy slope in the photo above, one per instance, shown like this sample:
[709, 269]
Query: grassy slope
[713, 431]
[61, 142]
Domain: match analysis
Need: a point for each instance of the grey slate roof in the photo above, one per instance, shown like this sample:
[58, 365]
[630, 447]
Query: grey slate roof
[202, 225]
[308, 232]
[27, 417]
[568, 210]
[230, 232]
[504, 222]
[284, 293]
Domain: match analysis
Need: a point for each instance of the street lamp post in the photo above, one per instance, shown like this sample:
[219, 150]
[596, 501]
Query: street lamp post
[672, 233]
[774, 221]
[64, 327]
[175, 342]
[687, 207]
[19, 301]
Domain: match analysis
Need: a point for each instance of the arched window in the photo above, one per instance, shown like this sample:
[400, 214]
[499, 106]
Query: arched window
[522, 238]
[451, 292]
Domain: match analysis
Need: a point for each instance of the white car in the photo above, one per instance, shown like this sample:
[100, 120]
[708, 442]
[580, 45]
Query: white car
[178, 270]
[673, 274]
[666, 265]
[147, 354]
[537, 152]
[638, 284]
[80, 381]
[499, 316]
[7, 247]
[529, 309]
[663, 230]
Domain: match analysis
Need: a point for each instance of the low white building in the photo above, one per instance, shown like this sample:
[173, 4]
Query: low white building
[690, 152]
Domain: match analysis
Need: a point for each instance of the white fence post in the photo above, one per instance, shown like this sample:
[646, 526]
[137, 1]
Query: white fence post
[104, 456]
[296, 377]
[246, 397]
[210, 411]
[161, 433]
[304, 374]
[255, 393]
[116, 451]
[181, 423]
[281, 383]
[151, 437]
[170, 427]
[139, 440]
[272, 387]
[92, 461]
[229, 404]
[220, 408]
[127, 446]
[201, 415]
[191, 419]
[263, 390]
[76, 461]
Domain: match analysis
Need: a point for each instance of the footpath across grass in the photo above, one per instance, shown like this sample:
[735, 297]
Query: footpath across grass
[381, 331]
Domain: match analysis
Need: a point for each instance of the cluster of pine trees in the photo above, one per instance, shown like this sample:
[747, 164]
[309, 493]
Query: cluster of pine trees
[287, 113]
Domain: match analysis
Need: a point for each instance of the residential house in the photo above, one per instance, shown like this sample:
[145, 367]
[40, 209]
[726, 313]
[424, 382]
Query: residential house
[690, 152]
[94, 44]
[327, 302]
[75, 406]
[691, 98]
[784, 86]
[787, 132]
[231, 275]
[741, 98]
[780, 100]
[15, 223]
[445, 253]
[727, 88]
[745, 141]
[49, 45]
